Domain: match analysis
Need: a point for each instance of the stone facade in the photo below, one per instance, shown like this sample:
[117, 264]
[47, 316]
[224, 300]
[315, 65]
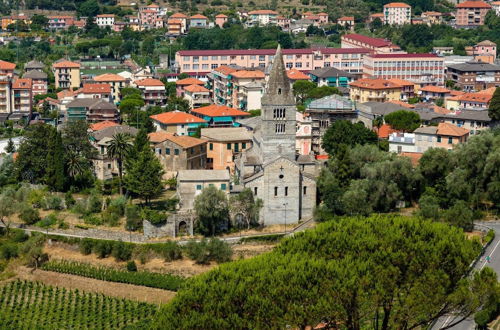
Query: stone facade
[178, 224]
[270, 167]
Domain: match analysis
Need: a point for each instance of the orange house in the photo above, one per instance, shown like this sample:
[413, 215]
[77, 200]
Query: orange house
[224, 144]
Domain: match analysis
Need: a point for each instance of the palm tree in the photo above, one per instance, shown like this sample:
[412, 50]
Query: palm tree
[76, 164]
[118, 148]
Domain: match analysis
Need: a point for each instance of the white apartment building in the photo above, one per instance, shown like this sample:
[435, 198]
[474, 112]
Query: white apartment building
[397, 13]
[105, 20]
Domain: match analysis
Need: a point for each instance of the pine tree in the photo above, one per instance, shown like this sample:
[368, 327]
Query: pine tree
[11, 148]
[144, 177]
[54, 176]
[141, 140]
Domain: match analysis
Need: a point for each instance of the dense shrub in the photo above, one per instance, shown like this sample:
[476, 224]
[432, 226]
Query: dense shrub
[109, 218]
[208, 250]
[52, 202]
[122, 251]
[219, 251]
[171, 251]
[103, 248]
[8, 251]
[117, 206]
[69, 200]
[48, 221]
[18, 235]
[155, 217]
[86, 246]
[131, 266]
[92, 219]
[134, 220]
[94, 203]
[29, 215]
[36, 197]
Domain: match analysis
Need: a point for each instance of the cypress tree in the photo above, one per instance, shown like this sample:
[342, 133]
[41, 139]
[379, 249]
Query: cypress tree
[11, 148]
[54, 176]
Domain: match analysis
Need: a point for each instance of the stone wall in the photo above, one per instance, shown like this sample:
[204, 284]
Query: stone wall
[177, 224]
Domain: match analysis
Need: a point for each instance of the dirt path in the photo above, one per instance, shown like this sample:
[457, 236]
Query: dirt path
[119, 290]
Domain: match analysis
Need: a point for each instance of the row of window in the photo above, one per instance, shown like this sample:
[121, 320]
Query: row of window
[285, 191]
[196, 59]
[223, 186]
[279, 113]
[167, 151]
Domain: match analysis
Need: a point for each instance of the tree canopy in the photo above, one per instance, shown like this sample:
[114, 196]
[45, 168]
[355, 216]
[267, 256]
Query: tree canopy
[494, 107]
[212, 209]
[385, 272]
[343, 132]
[403, 120]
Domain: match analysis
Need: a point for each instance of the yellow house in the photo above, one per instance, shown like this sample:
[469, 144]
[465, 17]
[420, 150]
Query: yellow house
[116, 82]
[67, 74]
[374, 90]
[8, 20]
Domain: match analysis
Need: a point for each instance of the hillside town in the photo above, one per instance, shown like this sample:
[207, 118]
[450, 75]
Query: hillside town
[308, 147]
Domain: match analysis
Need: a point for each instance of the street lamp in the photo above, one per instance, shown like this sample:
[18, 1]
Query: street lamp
[285, 204]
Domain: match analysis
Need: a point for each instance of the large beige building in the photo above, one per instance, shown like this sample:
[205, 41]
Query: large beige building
[67, 74]
[374, 90]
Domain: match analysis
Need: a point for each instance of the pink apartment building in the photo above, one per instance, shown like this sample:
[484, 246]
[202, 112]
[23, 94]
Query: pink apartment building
[220, 20]
[485, 51]
[204, 61]
[60, 22]
[377, 45]
[471, 13]
[319, 19]
[424, 69]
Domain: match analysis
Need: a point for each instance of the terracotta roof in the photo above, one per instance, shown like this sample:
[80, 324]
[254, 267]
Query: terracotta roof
[174, 21]
[451, 130]
[475, 97]
[263, 12]
[322, 14]
[425, 55]
[49, 99]
[414, 157]
[384, 131]
[109, 77]
[401, 82]
[441, 110]
[397, 5]
[102, 125]
[176, 117]
[178, 15]
[157, 137]
[369, 83]
[4, 65]
[189, 81]
[473, 4]
[22, 83]
[66, 64]
[346, 18]
[196, 89]
[65, 93]
[219, 111]
[294, 74]
[153, 5]
[225, 70]
[198, 16]
[106, 15]
[149, 82]
[432, 13]
[456, 93]
[403, 104]
[490, 90]
[377, 15]
[96, 88]
[296, 51]
[221, 16]
[434, 89]
[186, 141]
[248, 74]
[375, 42]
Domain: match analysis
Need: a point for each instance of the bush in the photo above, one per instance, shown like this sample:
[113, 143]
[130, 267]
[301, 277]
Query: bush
[86, 246]
[429, 207]
[198, 251]
[143, 253]
[131, 266]
[69, 200]
[36, 197]
[48, 221]
[103, 249]
[92, 219]
[117, 206]
[122, 251]
[109, 218]
[205, 251]
[219, 250]
[94, 204]
[171, 251]
[156, 218]
[489, 236]
[482, 318]
[134, 220]
[52, 202]
[29, 215]
[19, 236]
[460, 215]
[8, 251]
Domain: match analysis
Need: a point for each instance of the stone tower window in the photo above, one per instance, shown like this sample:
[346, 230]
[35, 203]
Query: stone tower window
[279, 91]
[279, 113]
[275, 191]
[286, 191]
[280, 129]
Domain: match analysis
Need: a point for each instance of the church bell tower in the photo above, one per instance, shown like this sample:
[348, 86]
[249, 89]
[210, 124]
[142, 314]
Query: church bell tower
[278, 126]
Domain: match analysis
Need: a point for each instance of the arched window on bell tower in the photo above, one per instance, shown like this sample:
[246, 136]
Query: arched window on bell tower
[279, 91]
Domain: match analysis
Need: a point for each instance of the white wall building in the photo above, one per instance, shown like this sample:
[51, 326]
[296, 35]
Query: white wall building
[397, 13]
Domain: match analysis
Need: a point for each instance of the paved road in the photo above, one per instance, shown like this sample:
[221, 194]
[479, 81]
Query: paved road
[493, 252]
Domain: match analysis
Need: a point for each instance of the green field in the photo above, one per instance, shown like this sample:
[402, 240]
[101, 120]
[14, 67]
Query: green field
[33, 305]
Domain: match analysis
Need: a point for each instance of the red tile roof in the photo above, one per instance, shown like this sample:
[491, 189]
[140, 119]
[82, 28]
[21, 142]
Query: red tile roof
[225, 70]
[397, 5]
[299, 51]
[176, 117]
[425, 55]
[4, 65]
[473, 4]
[370, 83]
[149, 82]
[294, 74]
[414, 157]
[346, 18]
[263, 12]
[186, 141]
[401, 82]
[96, 89]
[219, 111]
[435, 89]
[102, 125]
[384, 131]
[198, 16]
[248, 74]
[221, 16]
[374, 42]
[189, 81]
[196, 89]
[451, 130]
[475, 97]
[22, 83]
[178, 15]
[109, 77]
[157, 137]
[65, 93]
[66, 64]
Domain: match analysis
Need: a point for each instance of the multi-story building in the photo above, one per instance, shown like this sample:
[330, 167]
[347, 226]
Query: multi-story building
[433, 93]
[376, 90]
[190, 183]
[95, 91]
[198, 21]
[204, 61]
[474, 101]
[8, 20]
[432, 17]
[324, 112]
[178, 122]
[224, 144]
[177, 24]
[220, 20]
[104, 20]
[7, 69]
[377, 45]
[116, 82]
[153, 91]
[182, 83]
[495, 5]
[407, 88]
[331, 77]
[474, 76]
[471, 14]
[5, 94]
[484, 51]
[178, 153]
[67, 74]
[303, 135]
[397, 13]
[39, 80]
[424, 69]
[22, 97]
[60, 22]
[102, 111]
[346, 22]
[283, 22]
[197, 96]
[318, 19]
[220, 115]
[261, 17]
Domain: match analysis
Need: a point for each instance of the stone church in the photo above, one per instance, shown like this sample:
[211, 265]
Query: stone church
[271, 168]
